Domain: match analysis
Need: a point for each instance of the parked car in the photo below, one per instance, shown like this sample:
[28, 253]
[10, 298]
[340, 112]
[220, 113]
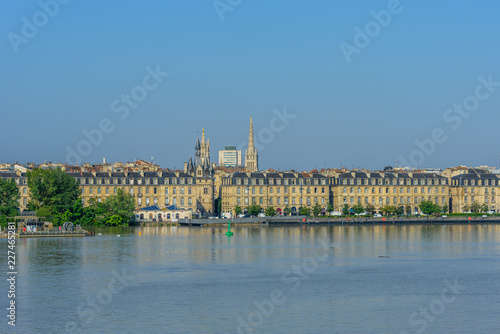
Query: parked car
[261, 215]
[377, 215]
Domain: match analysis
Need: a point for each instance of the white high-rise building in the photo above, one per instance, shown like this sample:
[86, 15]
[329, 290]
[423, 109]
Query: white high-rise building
[230, 157]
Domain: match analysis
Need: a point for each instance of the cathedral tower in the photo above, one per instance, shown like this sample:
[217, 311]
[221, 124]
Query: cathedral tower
[251, 155]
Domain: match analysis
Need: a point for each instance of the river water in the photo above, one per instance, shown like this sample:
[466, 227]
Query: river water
[300, 279]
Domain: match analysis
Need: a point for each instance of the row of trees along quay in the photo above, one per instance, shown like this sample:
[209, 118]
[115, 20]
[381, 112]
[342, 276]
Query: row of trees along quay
[427, 207]
[55, 196]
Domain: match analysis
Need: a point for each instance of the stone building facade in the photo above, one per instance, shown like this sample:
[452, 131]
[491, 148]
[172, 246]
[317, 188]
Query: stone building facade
[274, 189]
[279, 189]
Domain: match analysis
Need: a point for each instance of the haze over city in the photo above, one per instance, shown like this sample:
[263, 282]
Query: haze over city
[362, 83]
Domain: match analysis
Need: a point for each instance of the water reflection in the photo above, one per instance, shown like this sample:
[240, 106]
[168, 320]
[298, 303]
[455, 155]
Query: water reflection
[197, 279]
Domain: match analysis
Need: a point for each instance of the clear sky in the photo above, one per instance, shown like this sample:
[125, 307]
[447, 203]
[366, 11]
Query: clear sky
[361, 82]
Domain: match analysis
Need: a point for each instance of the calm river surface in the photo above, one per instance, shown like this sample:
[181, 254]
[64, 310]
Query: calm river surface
[322, 279]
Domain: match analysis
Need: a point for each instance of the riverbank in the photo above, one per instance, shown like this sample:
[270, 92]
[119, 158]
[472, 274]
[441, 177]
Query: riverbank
[303, 220]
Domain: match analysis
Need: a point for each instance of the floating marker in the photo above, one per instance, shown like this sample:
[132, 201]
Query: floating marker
[229, 229]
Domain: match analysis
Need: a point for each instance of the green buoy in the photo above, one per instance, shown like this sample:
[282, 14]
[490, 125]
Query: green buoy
[229, 233]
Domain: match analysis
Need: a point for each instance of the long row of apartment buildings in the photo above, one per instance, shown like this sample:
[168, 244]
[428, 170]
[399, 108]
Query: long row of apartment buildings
[281, 189]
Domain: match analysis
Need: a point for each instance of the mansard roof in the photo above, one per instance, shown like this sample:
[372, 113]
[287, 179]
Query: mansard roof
[427, 176]
[240, 175]
[318, 176]
[475, 176]
[5, 175]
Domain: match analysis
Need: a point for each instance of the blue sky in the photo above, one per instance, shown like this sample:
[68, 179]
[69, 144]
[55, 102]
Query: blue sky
[264, 58]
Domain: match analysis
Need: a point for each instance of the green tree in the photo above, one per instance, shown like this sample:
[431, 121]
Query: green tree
[121, 204]
[329, 207]
[475, 207]
[97, 211]
[53, 190]
[445, 208]
[305, 211]
[115, 220]
[270, 211]
[254, 209]
[237, 210]
[484, 208]
[428, 207]
[358, 208]
[287, 210]
[345, 210]
[370, 209]
[408, 210]
[316, 209]
[466, 208]
[9, 196]
[400, 210]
